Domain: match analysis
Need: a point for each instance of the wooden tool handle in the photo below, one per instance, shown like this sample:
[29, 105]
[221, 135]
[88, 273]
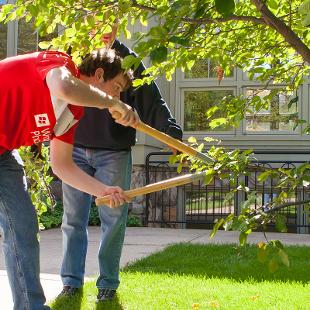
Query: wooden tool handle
[172, 142]
[181, 180]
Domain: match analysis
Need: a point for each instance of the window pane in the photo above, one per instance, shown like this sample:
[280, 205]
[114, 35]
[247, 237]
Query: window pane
[3, 36]
[278, 117]
[3, 40]
[204, 68]
[199, 70]
[196, 103]
[27, 38]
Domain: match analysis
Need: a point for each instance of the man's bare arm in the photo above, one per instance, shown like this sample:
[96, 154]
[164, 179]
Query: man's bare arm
[63, 85]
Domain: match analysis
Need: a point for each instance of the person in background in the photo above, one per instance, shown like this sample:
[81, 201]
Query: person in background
[106, 155]
[43, 96]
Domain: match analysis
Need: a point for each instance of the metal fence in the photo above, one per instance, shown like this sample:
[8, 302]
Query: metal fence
[198, 206]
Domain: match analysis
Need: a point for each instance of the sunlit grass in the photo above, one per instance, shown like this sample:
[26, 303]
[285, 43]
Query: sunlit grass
[187, 276]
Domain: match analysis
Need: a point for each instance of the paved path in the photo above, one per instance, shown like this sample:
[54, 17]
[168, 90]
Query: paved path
[139, 242]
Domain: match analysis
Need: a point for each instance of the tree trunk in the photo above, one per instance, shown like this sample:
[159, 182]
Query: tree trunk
[288, 34]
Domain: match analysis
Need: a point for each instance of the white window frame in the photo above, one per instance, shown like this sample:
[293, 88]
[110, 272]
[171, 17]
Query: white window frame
[296, 132]
[210, 79]
[204, 133]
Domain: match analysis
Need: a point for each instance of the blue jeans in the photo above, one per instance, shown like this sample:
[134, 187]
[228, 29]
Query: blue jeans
[112, 168]
[19, 225]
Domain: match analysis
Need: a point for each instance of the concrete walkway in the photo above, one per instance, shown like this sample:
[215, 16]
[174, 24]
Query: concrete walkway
[139, 242]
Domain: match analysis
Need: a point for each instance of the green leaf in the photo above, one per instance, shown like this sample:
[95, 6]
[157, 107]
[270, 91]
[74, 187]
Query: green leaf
[306, 20]
[243, 238]
[278, 244]
[173, 159]
[210, 139]
[156, 32]
[200, 11]
[225, 7]
[216, 226]
[284, 258]
[179, 40]
[281, 223]
[273, 4]
[127, 34]
[208, 179]
[7, 8]
[218, 122]
[259, 70]
[261, 255]
[304, 11]
[143, 20]
[292, 101]
[179, 168]
[211, 111]
[192, 140]
[70, 32]
[90, 20]
[130, 61]
[44, 45]
[159, 55]
[264, 176]
[273, 265]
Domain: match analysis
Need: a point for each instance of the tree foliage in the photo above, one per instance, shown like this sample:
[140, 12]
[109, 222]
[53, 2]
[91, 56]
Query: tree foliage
[38, 179]
[268, 39]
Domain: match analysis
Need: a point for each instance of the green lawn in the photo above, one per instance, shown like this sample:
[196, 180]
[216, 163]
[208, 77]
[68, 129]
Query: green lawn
[186, 276]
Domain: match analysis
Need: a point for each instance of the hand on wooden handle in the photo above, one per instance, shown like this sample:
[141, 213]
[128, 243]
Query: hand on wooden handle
[124, 115]
[116, 115]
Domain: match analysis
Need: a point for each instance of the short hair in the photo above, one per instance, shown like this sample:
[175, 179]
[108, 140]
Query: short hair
[109, 61]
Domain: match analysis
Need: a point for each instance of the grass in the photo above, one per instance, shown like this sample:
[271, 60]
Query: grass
[187, 276]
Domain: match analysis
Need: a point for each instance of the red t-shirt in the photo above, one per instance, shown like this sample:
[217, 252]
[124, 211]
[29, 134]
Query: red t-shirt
[28, 114]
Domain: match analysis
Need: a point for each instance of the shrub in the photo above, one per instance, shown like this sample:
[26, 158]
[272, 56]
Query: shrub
[52, 217]
[133, 221]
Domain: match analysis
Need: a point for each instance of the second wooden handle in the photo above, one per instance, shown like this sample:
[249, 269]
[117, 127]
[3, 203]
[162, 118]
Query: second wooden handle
[155, 187]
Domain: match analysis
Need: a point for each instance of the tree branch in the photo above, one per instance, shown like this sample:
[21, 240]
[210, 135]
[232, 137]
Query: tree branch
[200, 21]
[288, 34]
[269, 208]
[231, 17]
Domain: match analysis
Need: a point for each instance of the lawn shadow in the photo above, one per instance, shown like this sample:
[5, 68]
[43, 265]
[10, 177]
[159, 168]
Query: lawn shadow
[110, 305]
[68, 303]
[225, 261]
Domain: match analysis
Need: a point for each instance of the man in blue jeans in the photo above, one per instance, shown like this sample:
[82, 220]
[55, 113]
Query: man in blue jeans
[42, 99]
[106, 155]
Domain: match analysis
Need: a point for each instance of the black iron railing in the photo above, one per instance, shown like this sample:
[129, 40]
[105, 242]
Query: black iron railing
[198, 205]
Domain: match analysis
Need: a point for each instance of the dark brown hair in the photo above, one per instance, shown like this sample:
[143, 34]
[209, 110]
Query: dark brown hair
[109, 61]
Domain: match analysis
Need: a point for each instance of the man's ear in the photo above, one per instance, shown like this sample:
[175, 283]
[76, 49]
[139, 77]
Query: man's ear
[99, 74]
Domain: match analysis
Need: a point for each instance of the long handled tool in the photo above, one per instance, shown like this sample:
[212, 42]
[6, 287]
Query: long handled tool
[172, 142]
[150, 188]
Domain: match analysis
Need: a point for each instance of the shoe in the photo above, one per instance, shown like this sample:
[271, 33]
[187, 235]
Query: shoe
[105, 294]
[68, 291]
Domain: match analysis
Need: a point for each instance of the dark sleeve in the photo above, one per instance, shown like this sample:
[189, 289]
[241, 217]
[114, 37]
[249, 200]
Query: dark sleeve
[148, 102]
[154, 111]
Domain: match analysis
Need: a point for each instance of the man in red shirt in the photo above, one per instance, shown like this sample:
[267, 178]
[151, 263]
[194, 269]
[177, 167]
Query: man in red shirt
[42, 96]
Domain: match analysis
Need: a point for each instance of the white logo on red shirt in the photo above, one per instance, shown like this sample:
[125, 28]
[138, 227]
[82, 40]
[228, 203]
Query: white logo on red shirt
[41, 136]
[42, 120]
